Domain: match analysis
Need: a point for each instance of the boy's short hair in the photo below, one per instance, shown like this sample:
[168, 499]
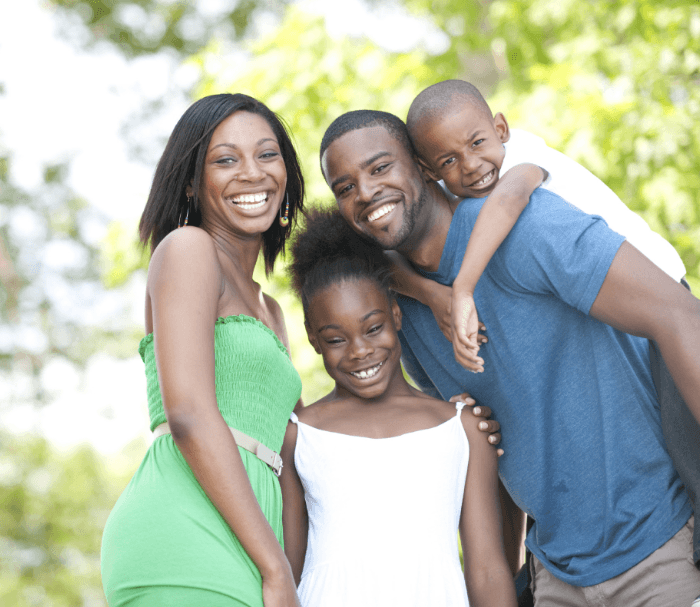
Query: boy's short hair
[360, 119]
[435, 101]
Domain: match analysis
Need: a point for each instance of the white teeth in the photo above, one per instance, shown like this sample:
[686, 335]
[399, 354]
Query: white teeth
[250, 201]
[367, 373]
[381, 211]
[485, 179]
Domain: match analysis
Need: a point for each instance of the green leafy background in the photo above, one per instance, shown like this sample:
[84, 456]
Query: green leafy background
[612, 85]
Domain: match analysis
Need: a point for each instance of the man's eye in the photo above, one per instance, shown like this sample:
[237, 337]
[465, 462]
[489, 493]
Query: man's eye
[380, 168]
[344, 190]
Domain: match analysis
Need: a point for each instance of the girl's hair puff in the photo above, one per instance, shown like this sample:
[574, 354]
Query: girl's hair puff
[328, 251]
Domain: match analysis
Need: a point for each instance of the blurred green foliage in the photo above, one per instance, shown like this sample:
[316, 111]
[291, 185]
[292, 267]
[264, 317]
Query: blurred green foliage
[54, 507]
[613, 85]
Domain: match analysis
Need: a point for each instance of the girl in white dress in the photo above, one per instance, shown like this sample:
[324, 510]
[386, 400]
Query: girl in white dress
[378, 477]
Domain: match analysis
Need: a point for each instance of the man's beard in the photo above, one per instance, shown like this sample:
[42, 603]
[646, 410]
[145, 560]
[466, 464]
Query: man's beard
[410, 218]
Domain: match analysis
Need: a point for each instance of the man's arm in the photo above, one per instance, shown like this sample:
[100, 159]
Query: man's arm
[639, 298]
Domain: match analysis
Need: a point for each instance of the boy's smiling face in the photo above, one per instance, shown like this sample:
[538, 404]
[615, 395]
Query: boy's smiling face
[464, 148]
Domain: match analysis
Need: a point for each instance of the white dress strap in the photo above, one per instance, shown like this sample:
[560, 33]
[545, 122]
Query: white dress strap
[459, 406]
[293, 417]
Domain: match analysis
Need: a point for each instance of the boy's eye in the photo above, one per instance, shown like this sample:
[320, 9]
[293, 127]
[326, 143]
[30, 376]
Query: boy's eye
[449, 161]
[334, 341]
[477, 142]
[375, 328]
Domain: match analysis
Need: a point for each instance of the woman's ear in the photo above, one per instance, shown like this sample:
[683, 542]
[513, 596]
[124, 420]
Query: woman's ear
[396, 312]
[313, 340]
[189, 190]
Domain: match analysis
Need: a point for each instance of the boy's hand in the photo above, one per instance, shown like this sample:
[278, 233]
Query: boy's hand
[488, 425]
[465, 327]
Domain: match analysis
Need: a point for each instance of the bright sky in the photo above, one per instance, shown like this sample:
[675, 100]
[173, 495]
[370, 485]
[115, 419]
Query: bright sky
[64, 104]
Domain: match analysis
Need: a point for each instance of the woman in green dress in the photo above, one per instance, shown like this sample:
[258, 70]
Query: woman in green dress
[200, 522]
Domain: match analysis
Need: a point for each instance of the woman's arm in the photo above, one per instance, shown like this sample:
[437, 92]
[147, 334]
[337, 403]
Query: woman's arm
[295, 518]
[495, 221]
[184, 286]
[486, 571]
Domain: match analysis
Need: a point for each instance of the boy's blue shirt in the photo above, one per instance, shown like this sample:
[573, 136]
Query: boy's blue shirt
[584, 452]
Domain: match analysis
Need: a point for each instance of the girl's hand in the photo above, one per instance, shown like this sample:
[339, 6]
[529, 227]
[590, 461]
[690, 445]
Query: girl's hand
[280, 591]
[465, 327]
[491, 426]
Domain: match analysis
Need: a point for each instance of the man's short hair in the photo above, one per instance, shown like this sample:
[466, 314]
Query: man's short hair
[360, 119]
[441, 98]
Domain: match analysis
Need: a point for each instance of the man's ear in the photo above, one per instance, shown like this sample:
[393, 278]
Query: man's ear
[501, 125]
[425, 169]
[396, 313]
[312, 338]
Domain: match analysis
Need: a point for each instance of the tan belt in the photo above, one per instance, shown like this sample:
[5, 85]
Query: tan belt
[263, 453]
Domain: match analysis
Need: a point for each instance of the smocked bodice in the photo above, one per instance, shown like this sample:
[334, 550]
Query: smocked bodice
[256, 383]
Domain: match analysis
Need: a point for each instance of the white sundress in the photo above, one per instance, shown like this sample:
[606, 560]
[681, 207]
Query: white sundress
[383, 517]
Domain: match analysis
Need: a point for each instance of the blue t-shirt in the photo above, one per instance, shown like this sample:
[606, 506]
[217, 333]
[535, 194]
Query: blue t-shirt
[584, 452]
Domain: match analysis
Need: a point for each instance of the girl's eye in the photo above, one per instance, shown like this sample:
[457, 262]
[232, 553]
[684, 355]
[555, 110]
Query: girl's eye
[334, 341]
[375, 328]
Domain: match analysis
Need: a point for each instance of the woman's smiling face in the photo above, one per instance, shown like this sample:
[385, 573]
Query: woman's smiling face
[354, 325]
[244, 176]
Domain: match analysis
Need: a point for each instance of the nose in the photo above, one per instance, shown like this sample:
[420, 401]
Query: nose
[249, 170]
[366, 190]
[470, 163]
[360, 348]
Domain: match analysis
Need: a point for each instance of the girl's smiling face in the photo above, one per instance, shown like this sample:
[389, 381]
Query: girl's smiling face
[353, 325]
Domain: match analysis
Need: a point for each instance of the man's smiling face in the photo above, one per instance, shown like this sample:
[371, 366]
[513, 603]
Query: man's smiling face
[379, 188]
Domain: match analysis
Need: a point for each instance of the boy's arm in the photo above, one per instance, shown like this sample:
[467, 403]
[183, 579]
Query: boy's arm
[486, 571]
[295, 519]
[406, 281]
[495, 221]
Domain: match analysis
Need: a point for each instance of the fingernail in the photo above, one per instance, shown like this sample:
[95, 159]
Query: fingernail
[477, 410]
[483, 426]
[492, 439]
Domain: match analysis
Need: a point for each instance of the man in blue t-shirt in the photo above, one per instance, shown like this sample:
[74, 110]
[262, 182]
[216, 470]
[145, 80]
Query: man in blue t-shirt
[584, 452]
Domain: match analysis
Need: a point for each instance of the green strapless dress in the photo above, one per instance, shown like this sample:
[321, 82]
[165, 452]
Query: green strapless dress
[164, 542]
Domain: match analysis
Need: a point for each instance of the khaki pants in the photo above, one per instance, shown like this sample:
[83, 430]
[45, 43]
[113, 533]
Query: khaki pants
[666, 578]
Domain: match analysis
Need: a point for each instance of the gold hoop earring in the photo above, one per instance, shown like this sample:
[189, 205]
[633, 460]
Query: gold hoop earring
[284, 219]
[180, 224]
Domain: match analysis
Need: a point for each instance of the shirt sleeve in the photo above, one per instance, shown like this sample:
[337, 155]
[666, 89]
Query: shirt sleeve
[556, 249]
